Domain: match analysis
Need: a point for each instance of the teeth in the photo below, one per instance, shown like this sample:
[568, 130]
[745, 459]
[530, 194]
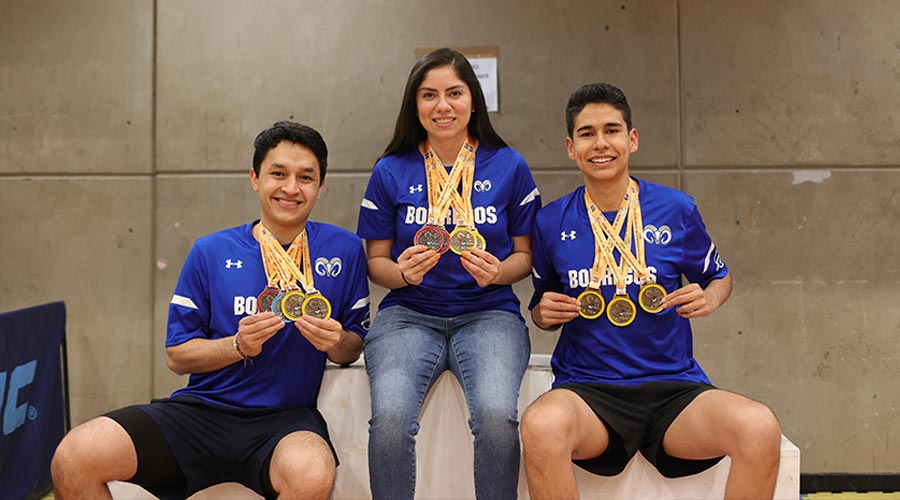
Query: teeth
[443, 121]
[602, 160]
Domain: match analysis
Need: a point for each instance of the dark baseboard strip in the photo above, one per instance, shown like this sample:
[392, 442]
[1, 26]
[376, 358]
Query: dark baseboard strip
[811, 483]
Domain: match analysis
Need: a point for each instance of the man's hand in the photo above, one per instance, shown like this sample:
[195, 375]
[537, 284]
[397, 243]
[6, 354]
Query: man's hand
[323, 334]
[554, 309]
[482, 265]
[415, 261]
[690, 301]
[255, 330]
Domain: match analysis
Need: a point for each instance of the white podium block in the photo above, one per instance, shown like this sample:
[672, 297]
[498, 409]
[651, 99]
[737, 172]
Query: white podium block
[444, 453]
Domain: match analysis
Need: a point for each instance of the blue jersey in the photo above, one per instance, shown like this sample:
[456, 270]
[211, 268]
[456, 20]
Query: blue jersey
[655, 347]
[221, 278]
[505, 199]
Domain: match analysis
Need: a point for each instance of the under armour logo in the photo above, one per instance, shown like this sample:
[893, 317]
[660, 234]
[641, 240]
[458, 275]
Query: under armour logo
[482, 186]
[230, 263]
[415, 189]
[568, 235]
[325, 267]
[659, 236]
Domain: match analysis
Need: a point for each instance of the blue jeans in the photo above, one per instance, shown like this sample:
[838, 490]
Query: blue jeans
[406, 352]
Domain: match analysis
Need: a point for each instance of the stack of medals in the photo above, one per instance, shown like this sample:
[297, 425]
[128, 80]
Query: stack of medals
[290, 292]
[442, 193]
[621, 311]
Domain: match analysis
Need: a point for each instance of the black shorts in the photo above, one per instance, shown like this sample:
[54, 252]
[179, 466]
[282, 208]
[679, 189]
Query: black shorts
[637, 418]
[185, 444]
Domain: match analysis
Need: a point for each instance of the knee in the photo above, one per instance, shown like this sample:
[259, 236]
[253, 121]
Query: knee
[303, 468]
[393, 424]
[759, 433]
[545, 426]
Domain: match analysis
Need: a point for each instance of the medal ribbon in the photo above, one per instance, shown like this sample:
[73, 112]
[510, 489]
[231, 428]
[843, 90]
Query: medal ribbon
[632, 208]
[603, 256]
[287, 263]
[442, 186]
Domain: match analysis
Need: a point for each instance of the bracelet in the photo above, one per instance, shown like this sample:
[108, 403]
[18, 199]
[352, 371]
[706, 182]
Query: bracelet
[236, 342]
[405, 280]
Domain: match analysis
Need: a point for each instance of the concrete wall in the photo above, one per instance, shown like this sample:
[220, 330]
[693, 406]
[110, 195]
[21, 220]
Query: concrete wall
[126, 129]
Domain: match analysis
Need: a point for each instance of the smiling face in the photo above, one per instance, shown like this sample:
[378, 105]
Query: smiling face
[601, 144]
[288, 186]
[444, 105]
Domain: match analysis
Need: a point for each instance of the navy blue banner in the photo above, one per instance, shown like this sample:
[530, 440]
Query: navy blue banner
[32, 411]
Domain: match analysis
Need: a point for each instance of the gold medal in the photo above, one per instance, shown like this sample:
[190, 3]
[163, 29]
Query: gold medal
[480, 242]
[462, 239]
[592, 304]
[621, 311]
[317, 305]
[292, 304]
[650, 297]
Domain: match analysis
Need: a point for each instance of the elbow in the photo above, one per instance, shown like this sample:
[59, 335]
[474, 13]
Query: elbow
[174, 365]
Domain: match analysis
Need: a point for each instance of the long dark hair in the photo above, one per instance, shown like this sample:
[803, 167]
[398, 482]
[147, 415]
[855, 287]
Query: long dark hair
[408, 132]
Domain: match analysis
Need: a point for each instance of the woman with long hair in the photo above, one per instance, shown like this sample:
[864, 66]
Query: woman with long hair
[447, 220]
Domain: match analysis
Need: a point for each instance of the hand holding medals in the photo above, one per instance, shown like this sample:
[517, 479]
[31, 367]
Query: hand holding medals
[290, 292]
[621, 310]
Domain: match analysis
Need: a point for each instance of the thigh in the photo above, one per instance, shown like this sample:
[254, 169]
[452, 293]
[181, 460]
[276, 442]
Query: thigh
[712, 424]
[405, 354]
[115, 459]
[563, 416]
[489, 353]
[156, 465]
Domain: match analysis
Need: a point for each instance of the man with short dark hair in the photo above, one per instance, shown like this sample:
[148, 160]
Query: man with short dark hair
[609, 259]
[257, 310]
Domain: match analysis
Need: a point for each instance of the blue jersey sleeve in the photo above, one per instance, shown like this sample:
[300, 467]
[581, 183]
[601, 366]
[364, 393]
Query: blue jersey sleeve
[355, 317]
[526, 201]
[189, 310]
[702, 263]
[543, 275]
[377, 211]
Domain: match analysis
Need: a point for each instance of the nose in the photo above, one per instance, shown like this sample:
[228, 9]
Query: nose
[600, 142]
[443, 104]
[291, 185]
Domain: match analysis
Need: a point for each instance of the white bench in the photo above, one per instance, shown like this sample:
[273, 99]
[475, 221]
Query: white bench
[444, 450]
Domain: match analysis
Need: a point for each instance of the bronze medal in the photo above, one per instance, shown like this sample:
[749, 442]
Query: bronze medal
[592, 304]
[433, 237]
[264, 301]
[316, 305]
[650, 297]
[621, 311]
[292, 305]
[462, 239]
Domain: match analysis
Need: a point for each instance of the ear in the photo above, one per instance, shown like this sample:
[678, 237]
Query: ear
[570, 148]
[633, 140]
[254, 180]
[321, 188]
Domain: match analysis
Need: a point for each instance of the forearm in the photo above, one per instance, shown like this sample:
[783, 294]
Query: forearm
[383, 271]
[718, 291]
[514, 268]
[348, 350]
[202, 355]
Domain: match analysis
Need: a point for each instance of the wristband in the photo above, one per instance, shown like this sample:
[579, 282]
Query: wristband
[403, 276]
[236, 342]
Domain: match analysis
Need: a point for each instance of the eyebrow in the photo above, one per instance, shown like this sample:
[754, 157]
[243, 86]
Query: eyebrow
[304, 169]
[455, 87]
[607, 125]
